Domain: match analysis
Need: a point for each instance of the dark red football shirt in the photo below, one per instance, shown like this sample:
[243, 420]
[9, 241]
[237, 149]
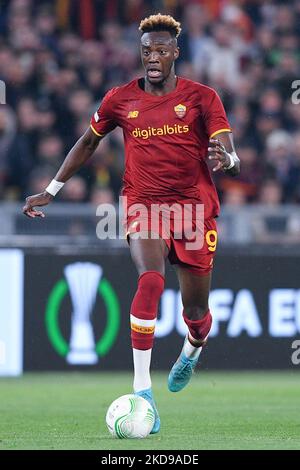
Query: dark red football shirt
[166, 140]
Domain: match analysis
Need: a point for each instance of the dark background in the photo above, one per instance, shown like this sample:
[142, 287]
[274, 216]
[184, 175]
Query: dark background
[258, 273]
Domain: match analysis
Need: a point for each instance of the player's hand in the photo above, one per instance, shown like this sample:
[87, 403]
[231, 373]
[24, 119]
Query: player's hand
[41, 199]
[218, 152]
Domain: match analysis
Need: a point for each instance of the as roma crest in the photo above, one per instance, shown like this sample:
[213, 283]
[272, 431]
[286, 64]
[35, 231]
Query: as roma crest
[180, 110]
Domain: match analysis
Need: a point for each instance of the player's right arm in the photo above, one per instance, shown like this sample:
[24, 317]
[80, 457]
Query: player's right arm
[76, 158]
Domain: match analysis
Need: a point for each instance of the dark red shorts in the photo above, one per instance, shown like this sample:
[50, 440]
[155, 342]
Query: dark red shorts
[197, 257]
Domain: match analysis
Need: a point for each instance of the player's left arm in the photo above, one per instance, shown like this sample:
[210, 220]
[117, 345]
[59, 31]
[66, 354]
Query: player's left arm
[221, 149]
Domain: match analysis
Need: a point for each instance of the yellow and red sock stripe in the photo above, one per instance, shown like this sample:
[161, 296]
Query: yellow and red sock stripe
[139, 325]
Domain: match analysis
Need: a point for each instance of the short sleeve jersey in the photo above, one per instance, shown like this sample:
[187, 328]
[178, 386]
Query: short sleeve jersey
[166, 141]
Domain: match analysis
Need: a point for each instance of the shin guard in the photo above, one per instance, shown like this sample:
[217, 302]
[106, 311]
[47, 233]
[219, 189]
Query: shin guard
[144, 309]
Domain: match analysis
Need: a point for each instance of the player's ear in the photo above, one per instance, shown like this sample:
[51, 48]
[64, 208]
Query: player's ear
[176, 53]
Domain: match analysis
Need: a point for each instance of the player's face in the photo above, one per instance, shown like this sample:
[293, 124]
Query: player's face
[158, 52]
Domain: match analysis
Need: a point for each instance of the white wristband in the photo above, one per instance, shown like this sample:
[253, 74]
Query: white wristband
[233, 158]
[54, 187]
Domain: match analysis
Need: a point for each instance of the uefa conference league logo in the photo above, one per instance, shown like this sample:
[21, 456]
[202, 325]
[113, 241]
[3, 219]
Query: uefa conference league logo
[84, 281]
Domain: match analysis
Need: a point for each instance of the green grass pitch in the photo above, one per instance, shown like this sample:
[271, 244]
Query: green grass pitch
[257, 410]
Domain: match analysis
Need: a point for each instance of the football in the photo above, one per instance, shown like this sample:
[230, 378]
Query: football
[130, 417]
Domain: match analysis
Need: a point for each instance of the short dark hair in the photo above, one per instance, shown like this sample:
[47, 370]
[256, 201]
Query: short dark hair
[160, 22]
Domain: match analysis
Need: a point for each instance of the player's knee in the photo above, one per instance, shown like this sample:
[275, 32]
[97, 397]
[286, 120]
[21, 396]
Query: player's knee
[195, 312]
[150, 289]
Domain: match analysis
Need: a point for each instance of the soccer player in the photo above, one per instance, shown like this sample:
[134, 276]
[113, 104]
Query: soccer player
[171, 126]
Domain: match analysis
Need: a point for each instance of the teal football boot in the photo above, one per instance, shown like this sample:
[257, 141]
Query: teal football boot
[147, 394]
[182, 371]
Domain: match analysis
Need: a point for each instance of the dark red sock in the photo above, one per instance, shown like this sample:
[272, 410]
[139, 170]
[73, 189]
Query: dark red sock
[144, 309]
[199, 329]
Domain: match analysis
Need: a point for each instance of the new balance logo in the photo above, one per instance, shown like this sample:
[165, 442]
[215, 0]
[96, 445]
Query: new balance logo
[132, 114]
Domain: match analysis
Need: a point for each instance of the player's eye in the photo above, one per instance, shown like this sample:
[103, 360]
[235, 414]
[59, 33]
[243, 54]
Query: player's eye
[163, 51]
[146, 53]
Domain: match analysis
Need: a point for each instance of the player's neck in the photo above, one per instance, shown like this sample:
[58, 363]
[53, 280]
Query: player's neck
[160, 89]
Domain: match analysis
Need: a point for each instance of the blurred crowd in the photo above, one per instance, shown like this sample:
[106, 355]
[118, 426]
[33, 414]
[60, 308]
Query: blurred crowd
[58, 58]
